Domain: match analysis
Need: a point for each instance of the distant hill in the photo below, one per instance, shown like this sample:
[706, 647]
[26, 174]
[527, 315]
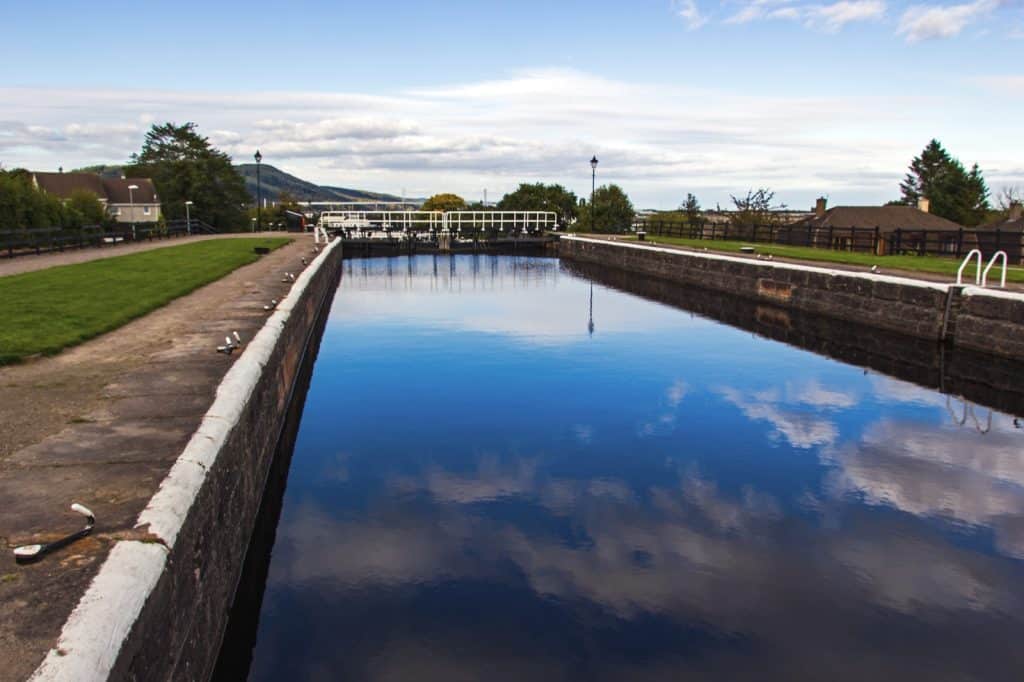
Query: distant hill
[274, 181]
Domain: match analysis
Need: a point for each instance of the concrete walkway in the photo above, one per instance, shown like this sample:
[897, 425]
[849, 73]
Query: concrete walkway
[30, 262]
[101, 424]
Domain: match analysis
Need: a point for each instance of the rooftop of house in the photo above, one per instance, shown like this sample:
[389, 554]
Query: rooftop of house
[1014, 220]
[883, 217]
[114, 190]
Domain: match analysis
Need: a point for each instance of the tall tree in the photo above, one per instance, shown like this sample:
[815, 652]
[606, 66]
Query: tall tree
[541, 197]
[444, 202]
[692, 208]
[612, 211]
[952, 191]
[185, 167]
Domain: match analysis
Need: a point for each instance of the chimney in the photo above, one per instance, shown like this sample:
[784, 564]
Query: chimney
[819, 207]
[923, 204]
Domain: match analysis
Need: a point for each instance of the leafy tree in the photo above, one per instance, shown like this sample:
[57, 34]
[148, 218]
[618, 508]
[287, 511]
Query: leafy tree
[612, 211]
[541, 197]
[444, 202]
[952, 191]
[692, 208]
[755, 208]
[87, 208]
[22, 206]
[185, 167]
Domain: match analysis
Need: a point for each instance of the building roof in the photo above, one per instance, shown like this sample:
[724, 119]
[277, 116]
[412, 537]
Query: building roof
[117, 190]
[114, 190]
[1006, 225]
[886, 218]
[63, 184]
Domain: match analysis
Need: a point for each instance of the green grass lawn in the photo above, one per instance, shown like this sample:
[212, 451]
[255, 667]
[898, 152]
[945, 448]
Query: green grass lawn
[933, 264]
[49, 310]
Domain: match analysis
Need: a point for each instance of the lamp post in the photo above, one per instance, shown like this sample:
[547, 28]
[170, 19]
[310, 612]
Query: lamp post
[259, 192]
[188, 217]
[131, 206]
[593, 189]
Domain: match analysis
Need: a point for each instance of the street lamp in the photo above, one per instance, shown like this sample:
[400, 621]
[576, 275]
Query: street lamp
[259, 192]
[593, 188]
[188, 217]
[131, 206]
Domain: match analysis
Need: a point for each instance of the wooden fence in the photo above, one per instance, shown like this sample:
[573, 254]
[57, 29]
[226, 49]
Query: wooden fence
[901, 241]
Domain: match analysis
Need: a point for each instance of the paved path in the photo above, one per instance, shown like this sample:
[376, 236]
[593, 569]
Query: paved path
[30, 263]
[101, 424]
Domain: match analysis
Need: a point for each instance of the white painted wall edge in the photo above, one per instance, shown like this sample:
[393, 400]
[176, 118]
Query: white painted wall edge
[770, 263]
[91, 638]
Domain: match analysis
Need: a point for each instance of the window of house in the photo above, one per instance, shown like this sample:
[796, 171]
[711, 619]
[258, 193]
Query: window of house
[145, 210]
[115, 210]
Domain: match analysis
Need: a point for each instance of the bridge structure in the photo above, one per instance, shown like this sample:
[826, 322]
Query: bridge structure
[433, 225]
[443, 230]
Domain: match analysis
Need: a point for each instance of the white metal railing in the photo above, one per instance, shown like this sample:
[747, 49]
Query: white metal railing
[500, 221]
[425, 224]
[991, 263]
[384, 221]
[967, 259]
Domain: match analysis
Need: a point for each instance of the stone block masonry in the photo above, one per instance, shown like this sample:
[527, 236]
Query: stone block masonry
[158, 607]
[983, 320]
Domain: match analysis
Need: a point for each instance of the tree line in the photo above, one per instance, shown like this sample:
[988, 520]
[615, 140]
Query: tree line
[612, 211]
[22, 206]
[953, 192]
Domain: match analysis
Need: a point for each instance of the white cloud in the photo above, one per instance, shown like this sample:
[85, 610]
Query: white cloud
[690, 13]
[835, 16]
[830, 18]
[533, 125]
[926, 22]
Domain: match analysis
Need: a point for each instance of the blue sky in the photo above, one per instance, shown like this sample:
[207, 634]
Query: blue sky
[714, 98]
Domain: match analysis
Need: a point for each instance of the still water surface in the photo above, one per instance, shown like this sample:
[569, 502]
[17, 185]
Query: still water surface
[492, 482]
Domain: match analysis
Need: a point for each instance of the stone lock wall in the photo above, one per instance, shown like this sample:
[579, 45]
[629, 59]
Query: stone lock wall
[890, 303]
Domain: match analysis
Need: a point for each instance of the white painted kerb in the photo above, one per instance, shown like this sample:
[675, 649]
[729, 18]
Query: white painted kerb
[94, 632]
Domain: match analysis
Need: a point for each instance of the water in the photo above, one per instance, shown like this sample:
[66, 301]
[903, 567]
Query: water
[504, 472]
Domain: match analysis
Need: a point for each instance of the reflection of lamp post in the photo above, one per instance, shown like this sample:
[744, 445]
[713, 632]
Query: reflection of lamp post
[590, 321]
[593, 187]
[259, 191]
[188, 217]
[131, 206]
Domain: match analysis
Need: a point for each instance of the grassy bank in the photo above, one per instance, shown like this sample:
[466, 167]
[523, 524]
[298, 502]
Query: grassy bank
[49, 310]
[932, 264]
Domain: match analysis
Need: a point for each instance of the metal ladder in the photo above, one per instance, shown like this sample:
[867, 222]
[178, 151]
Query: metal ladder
[981, 275]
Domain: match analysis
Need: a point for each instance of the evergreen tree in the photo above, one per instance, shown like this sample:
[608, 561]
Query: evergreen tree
[952, 192]
[185, 167]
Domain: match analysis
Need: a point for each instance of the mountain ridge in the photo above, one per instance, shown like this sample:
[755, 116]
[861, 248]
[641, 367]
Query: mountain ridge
[273, 181]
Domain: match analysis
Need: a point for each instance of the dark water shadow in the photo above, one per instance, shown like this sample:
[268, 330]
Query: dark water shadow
[986, 380]
[239, 640]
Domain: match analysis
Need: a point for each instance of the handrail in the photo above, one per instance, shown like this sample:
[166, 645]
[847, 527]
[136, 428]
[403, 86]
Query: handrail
[995, 257]
[967, 259]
